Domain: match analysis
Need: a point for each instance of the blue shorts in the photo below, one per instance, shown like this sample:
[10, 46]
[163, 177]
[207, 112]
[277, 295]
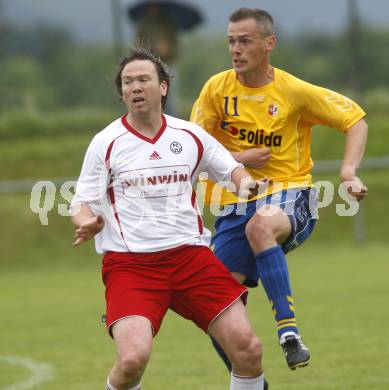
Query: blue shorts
[231, 245]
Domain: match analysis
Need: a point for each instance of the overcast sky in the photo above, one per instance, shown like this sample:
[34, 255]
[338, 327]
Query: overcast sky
[91, 20]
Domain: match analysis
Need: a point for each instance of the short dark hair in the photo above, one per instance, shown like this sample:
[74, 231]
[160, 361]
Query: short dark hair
[141, 53]
[263, 18]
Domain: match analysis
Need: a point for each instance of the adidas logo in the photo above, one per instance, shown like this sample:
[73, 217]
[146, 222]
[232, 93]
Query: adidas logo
[154, 156]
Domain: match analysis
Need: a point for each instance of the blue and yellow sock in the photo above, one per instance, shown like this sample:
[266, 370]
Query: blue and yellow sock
[273, 272]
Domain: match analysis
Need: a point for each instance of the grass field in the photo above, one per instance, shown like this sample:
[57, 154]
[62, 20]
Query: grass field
[51, 314]
[52, 299]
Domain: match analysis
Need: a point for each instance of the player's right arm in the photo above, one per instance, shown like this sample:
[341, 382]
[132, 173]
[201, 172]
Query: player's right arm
[87, 224]
[90, 189]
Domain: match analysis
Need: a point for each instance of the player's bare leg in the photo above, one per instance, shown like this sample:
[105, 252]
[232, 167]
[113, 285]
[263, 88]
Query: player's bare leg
[265, 231]
[233, 331]
[133, 338]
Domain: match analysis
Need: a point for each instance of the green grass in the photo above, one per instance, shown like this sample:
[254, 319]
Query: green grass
[52, 298]
[31, 123]
[52, 314]
[43, 157]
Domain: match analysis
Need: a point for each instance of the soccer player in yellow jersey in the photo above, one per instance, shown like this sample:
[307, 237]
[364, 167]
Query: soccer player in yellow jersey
[264, 116]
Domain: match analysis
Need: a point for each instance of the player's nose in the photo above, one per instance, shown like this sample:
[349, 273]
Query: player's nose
[235, 48]
[136, 86]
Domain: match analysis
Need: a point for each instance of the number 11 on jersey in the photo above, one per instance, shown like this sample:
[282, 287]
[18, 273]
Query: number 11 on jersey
[235, 105]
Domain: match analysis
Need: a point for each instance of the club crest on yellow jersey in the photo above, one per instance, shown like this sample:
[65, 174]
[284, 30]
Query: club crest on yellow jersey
[273, 109]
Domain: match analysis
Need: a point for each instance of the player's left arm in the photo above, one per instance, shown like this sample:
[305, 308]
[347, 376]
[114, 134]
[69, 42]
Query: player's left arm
[323, 106]
[91, 188]
[356, 139]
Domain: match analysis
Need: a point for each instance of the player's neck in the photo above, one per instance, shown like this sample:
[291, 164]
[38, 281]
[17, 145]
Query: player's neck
[147, 125]
[257, 78]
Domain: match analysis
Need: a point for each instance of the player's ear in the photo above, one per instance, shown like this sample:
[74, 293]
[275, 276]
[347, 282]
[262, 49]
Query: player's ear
[164, 88]
[271, 42]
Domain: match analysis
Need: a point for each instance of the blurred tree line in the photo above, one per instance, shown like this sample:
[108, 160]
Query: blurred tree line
[46, 70]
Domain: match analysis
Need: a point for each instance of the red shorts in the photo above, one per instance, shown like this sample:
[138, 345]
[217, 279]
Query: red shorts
[190, 280]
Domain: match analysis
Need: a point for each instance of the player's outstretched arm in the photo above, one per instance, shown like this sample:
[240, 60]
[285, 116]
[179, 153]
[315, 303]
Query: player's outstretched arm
[253, 158]
[245, 186]
[356, 139]
[87, 224]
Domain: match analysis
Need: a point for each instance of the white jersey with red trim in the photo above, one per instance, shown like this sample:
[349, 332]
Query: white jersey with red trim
[144, 187]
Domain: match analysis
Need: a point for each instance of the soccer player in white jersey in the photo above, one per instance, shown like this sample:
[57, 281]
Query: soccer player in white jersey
[135, 196]
[264, 117]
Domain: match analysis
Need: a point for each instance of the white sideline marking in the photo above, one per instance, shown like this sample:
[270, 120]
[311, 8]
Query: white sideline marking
[40, 372]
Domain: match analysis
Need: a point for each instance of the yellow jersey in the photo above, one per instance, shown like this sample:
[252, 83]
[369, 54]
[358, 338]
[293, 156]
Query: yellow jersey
[278, 115]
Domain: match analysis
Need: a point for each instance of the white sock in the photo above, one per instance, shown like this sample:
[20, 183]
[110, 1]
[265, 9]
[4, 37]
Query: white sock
[283, 336]
[110, 387]
[246, 383]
